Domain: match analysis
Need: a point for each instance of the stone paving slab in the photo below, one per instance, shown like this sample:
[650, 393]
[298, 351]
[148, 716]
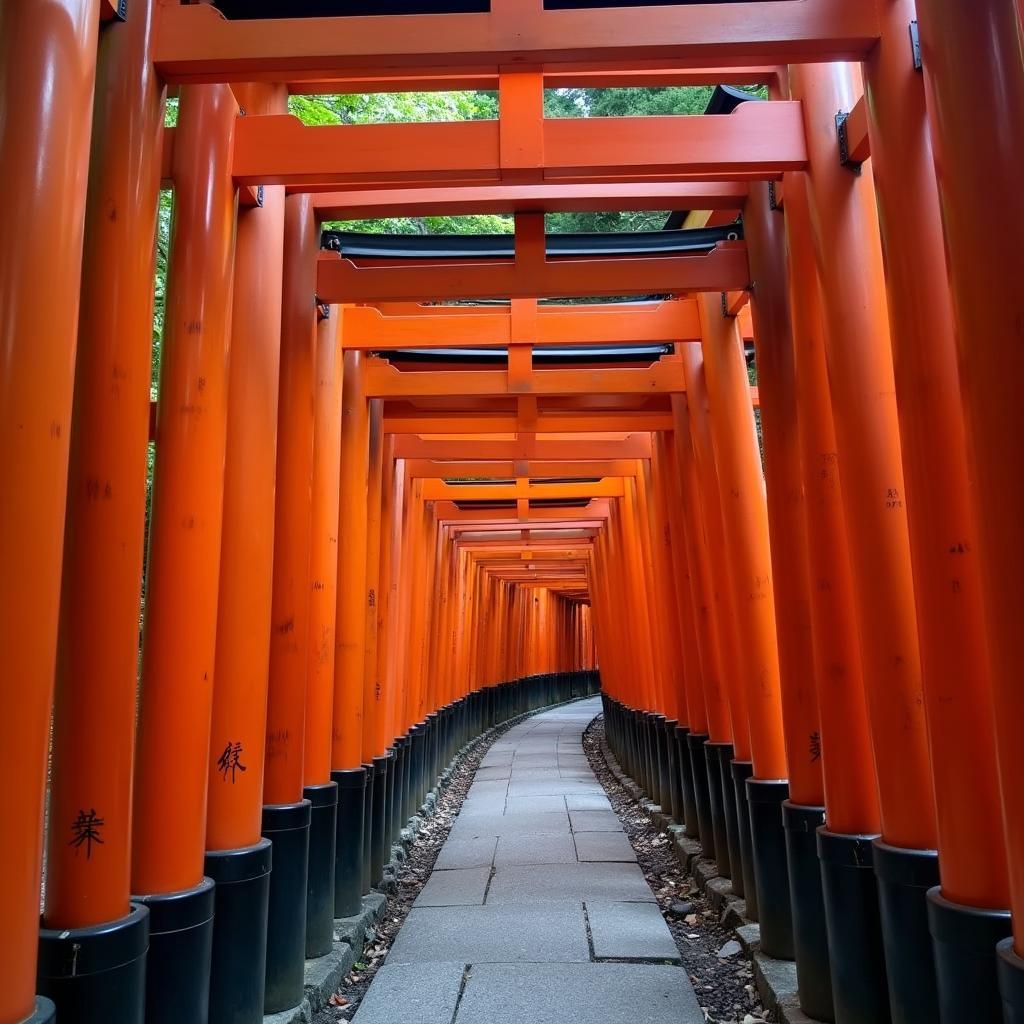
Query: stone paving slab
[534, 848]
[595, 821]
[509, 824]
[629, 931]
[559, 883]
[553, 787]
[492, 787]
[475, 852]
[459, 887]
[412, 993]
[550, 774]
[578, 993]
[495, 774]
[587, 802]
[482, 806]
[490, 934]
[497, 758]
[604, 846]
[535, 761]
[526, 804]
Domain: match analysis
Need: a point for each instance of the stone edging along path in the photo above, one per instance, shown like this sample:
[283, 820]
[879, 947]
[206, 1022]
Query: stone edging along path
[775, 979]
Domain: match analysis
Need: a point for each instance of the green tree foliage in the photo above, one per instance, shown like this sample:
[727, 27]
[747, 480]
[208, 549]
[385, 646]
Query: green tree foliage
[386, 108]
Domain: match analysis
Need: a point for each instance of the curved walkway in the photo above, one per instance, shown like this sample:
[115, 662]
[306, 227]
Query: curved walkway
[536, 909]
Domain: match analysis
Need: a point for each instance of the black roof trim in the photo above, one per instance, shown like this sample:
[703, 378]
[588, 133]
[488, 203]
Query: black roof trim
[433, 247]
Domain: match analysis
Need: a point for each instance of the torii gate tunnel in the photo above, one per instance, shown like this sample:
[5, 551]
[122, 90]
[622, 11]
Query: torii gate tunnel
[409, 487]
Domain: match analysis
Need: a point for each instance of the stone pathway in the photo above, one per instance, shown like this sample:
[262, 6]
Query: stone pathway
[536, 909]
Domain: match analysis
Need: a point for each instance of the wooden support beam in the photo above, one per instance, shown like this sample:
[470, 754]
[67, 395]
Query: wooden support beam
[428, 469]
[195, 43]
[438, 490]
[632, 446]
[383, 380]
[858, 141]
[360, 204]
[725, 268]
[407, 420]
[758, 140]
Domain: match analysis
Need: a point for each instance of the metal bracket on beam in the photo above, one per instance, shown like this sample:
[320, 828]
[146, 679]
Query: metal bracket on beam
[915, 46]
[844, 142]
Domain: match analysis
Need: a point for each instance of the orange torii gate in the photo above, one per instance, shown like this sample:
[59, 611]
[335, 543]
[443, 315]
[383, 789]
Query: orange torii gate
[885, 557]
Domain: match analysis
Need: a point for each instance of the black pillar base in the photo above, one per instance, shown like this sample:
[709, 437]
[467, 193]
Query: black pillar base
[904, 878]
[1011, 982]
[44, 1013]
[685, 766]
[964, 940]
[398, 793]
[695, 742]
[770, 866]
[287, 827]
[323, 828]
[98, 974]
[378, 837]
[740, 870]
[180, 952]
[662, 772]
[859, 988]
[673, 784]
[390, 834]
[719, 814]
[810, 936]
[348, 842]
[240, 902]
[367, 861]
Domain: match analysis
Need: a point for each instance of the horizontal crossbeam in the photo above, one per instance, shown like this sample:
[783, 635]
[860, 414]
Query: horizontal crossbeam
[195, 43]
[360, 204]
[383, 380]
[368, 328]
[724, 269]
[758, 140]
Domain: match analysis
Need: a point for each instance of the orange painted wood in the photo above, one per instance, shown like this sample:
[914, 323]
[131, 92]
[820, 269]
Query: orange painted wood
[239, 719]
[47, 75]
[723, 269]
[196, 43]
[180, 631]
[98, 650]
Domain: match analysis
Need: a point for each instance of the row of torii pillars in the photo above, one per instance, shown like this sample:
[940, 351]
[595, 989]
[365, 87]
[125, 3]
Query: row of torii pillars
[885, 563]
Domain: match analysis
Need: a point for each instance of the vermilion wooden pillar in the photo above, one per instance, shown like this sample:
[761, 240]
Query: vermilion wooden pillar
[47, 69]
[721, 798]
[373, 692]
[98, 648]
[861, 381]
[844, 743]
[707, 617]
[943, 538]
[979, 169]
[776, 378]
[287, 813]
[679, 629]
[318, 787]
[238, 859]
[347, 734]
[180, 630]
[745, 521]
[765, 230]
